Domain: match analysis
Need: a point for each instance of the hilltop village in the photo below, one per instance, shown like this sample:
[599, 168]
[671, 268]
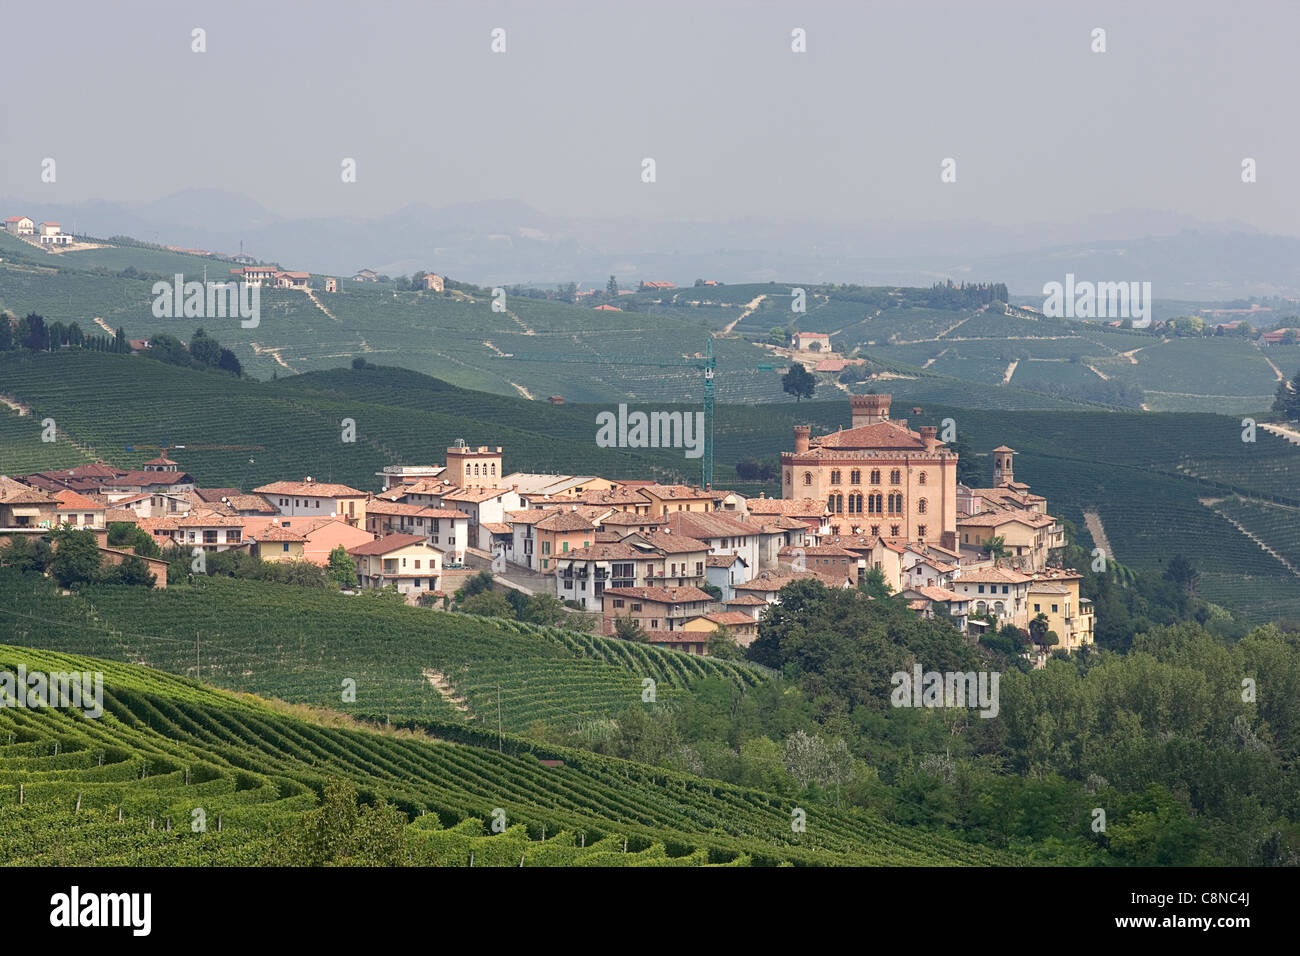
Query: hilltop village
[877, 500]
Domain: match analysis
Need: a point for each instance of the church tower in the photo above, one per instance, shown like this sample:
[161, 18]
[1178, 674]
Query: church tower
[1003, 471]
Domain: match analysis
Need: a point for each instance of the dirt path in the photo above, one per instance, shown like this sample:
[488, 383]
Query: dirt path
[1100, 374]
[311, 294]
[499, 353]
[750, 308]
[523, 391]
[16, 405]
[274, 353]
[1276, 371]
[1262, 546]
[443, 687]
[1283, 431]
[105, 326]
[1130, 353]
[1098, 532]
[1011, 370]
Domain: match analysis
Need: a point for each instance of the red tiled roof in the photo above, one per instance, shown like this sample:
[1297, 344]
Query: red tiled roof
[311, 489]
[660, 595]
[387, 545]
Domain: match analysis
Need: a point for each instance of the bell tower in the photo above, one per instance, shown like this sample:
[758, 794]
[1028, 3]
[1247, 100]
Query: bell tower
[1003, 471]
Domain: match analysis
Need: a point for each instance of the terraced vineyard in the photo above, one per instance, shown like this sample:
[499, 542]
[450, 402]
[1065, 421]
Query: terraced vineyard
[122, 790]
[301, 646]
[1278, 526]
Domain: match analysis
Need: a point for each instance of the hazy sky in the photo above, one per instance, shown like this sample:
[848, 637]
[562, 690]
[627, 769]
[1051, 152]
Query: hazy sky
[1041, 127]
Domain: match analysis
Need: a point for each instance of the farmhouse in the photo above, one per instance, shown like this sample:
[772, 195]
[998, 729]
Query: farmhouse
[738, 625]
[810, 342]
[584, 574]
[23, 507]
[78, 511]
[366, 275]
[432, 283]
[50, 234]
[293, 280]
[19, 226]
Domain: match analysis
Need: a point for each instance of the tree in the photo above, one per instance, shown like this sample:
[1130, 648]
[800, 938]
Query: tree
[798, 382]
[359, 363]
[1289, 337]
[26, 555]
[126, 534]
[341, 568]
[996, 548]
[630, 630]
[1288, 398]
[34, 337]
[1183, 573]
[229, 362]
[76, 557]
[6, 333]
[542, 609]
[205, 349]
[968, 469]
[777, 336]
[874, 584]
[342, 832]
[132, 572]
[722, 645]
[120, 344]
[487, 603]
[1038, 628]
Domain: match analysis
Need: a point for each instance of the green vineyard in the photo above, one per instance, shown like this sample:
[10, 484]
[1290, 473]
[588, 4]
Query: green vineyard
[175, 773]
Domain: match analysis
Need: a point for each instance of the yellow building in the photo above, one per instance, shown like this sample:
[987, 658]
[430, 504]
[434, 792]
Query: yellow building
[670, 499]
[878, 477]
[473, 467]
[1055, 593]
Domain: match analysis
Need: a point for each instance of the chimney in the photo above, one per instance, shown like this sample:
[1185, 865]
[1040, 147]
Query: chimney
[928, 433]
[801, 434]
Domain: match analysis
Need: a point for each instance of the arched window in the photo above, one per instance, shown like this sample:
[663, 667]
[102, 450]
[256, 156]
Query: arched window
[830, 503]
[807, 477]
[476, 471]
[920, 506]
[981, 607]
[494, 469]
[855, 504]
[875, 476]
[839, 504]
[920, 479]
[855, 477]
[920, 532]
[895, 476]
[835, 476]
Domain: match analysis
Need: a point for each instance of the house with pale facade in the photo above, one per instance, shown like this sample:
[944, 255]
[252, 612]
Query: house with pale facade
[1001, 592]
[316, 499]
[654, 609]
[19, 226]
[404, 561]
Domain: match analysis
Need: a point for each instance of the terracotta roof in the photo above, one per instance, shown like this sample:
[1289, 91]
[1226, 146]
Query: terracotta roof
[992, 576]
[630, 519]
[213, 495]
[819, 550]
[730, 617]
[709, 525]
[316, 489]
[806, 507]
[606, 551]
[994, 519]
[392, 542]
[723, 560]
[112, 515]
[677, 492]
[150, 478]
[496, 527]
[564, 520]
[250, 503]
[474, 494]
[16, 493]
[209, 519]
[1047, 587]
[686, 595]
[672, 543]
[71, 501]
[775, 580]
[886, 436]
[276, 532]
[746, 600]
[939, 594]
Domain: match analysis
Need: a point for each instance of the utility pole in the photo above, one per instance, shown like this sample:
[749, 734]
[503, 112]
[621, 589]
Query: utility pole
[197, 672]
[499, 747]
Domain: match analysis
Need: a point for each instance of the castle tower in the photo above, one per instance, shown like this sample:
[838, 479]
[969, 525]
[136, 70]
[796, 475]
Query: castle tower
[801, 434]
[869, 409]
[1003, 471]
[473, 467]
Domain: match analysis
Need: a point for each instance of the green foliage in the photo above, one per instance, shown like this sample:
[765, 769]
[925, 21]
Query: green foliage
[799, 382]
[342, 569]
[76, 557]
[128, 535]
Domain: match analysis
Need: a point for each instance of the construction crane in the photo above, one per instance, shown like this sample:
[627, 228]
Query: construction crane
[708, 364]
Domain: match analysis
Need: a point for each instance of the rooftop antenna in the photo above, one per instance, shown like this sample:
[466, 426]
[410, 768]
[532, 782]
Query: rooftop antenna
[706, 464]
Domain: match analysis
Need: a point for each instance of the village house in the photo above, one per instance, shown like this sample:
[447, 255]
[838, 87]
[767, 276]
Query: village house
[293, 280]
[740, 627]
[1001, 592]
[366, 275]
[724, 572]
[444, 528]
[681, 559]
[828, 559]
[483, 506]
[271, 541]
[432, 283]
[668, 499]
[311, 498]
[1055, 593]
[78, 511]
[25, 508]
[394, 475]
[932, 602]
[473, 467]
[653, 608]
[209, 530]
[584, 574]
[320, 536]
[404, 561]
